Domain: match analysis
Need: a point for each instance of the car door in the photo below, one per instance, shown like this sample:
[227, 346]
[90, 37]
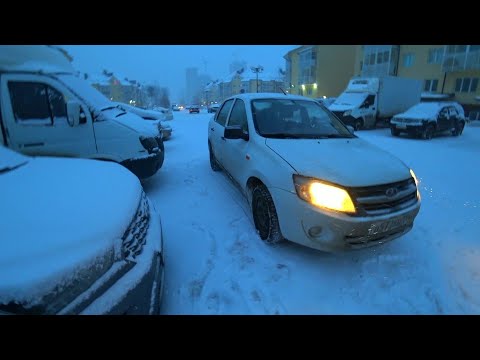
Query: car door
[454, 117]
[236, 157]
[216, 129]
[443, 122]
[35, 115]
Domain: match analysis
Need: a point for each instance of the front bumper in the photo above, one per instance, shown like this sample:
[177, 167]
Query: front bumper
[323, 230]
[146, 166]
[412, 129]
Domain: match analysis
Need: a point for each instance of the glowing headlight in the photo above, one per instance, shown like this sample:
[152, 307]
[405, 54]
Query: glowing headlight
[323, 195]
[347, 113]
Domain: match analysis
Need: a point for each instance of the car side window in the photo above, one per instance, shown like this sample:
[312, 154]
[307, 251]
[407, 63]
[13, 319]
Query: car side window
[58, 106]
[30, 103]
[453, 112]
[223, 113]
[238, 116]
[443, 113]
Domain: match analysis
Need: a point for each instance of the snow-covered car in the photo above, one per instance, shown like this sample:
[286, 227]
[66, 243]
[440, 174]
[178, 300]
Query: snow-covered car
[194, 109]
[165, 130]
[142, 112]
[307, 177]
[428, 118]
[167, 112]
[213, 108]
[71, 246]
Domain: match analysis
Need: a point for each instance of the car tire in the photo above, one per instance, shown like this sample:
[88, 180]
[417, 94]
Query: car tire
[213, 160]
[265, 215]
[358, 124]
[428, 132]
[394, 131]
[458, 128]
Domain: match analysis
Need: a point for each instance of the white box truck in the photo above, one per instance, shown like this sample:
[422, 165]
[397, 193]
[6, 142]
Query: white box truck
[369, 100]
[46, 109]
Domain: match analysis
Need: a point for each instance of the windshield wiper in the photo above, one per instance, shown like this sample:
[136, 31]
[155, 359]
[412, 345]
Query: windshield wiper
[10, 168]
[333, 136]
[283, 136]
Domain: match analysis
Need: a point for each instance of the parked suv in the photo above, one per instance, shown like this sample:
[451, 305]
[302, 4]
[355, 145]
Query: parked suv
[303, 174]
[77, 244]
[428, 118]
[213, 108]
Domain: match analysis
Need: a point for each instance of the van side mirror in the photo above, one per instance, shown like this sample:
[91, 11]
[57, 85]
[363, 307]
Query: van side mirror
[351, 129]
[73, 113]
[235, 132]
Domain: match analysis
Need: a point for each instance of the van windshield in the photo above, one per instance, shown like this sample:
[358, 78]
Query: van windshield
[87, 92]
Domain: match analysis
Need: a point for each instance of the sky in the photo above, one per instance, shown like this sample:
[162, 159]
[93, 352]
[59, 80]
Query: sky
[166, 64]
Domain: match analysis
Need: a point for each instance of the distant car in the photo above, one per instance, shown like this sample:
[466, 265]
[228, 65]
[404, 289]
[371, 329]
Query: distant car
[213, 108]
[176, 107]
[194, 109]
[142, 112]
[303, 174]
[167, 112]
[428, 118]
[72, 248]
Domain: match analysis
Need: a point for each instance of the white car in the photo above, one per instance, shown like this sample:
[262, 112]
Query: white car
[168, 113]
[307, 178]
[76, 244]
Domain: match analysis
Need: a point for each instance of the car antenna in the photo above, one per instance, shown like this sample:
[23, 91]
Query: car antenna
[283, 91]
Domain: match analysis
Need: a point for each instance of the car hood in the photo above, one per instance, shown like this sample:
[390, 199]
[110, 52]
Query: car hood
[59, 216]
[136, 123]
[348, 162]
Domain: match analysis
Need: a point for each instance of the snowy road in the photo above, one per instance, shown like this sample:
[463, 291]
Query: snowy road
[216, 263]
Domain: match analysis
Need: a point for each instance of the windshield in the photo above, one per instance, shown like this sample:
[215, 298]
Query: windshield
[87, 92]
[351, 99]
[284, 118]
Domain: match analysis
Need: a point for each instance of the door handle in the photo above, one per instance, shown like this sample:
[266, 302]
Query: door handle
[223, 139]
[213, 129]
[33, 144]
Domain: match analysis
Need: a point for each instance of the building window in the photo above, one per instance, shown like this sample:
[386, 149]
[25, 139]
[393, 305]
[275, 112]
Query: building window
[408, 59]
[435, 56]
[466, 85]
[361, 65]
[431, 85]
[309, 91]
[307, 68]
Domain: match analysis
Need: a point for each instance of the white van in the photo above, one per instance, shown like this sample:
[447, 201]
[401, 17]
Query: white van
[46, 109]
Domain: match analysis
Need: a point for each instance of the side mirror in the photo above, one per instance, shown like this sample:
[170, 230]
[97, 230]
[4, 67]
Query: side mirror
[235, 132]
[351, 129]
[73, 113]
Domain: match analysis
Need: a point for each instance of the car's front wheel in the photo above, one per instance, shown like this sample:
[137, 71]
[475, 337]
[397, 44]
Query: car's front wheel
[394, 131]
[213, 160]
[265, 215]
[428, 132]
[458, 128]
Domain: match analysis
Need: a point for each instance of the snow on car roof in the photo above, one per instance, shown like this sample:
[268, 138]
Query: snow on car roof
[426, 109]
[34, 58]
[256, 96]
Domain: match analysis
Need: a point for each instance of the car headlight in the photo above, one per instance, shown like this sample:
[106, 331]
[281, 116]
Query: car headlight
[416, 183]
[347, 113]
[323, 195]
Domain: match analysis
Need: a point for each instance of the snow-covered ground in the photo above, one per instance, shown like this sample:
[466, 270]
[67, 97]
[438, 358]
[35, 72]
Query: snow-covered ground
[217, 264]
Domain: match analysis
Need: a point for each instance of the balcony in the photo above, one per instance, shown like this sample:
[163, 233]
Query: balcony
[455, 60]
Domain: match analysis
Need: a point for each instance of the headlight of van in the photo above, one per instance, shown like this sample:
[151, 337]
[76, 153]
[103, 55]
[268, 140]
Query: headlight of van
[149, 143]
[347, 113]
[323, 195]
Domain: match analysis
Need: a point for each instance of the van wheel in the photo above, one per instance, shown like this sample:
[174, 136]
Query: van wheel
[265, 215]
[427, 133]
[213, 161]
[358, 124]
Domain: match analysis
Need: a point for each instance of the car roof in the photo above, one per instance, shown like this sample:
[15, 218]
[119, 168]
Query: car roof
[256, 96]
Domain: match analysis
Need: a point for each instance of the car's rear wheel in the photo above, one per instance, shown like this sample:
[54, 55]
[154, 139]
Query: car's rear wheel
[428, 132]
[213, 160]
[265, 215]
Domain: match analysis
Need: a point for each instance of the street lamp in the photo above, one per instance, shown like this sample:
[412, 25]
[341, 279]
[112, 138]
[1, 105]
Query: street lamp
[256, 70]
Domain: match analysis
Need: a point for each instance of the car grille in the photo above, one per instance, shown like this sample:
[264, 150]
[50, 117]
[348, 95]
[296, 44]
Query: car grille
[384, 199]
[135, 236]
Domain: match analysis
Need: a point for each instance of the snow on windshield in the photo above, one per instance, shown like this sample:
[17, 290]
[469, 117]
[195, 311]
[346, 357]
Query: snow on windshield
[86, 91]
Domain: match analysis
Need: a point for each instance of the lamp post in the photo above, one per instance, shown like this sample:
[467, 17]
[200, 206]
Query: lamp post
[256, 70]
